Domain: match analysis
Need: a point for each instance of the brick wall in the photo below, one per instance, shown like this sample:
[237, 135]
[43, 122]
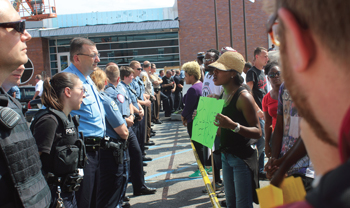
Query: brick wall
[39, 55]
[197, 26]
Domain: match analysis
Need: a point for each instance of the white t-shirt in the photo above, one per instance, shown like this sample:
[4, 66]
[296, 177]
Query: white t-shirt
[244, 77]
[39, 87]
[209, 87]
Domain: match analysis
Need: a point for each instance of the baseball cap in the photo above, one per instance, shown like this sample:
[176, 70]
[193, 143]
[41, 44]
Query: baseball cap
[229, 61]
[200, 54]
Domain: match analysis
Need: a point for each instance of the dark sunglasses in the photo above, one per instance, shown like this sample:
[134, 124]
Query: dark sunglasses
[19, 26]
[139, 69]
[274, 74]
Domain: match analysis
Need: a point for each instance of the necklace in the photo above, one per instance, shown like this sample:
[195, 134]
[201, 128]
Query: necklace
[227, 98]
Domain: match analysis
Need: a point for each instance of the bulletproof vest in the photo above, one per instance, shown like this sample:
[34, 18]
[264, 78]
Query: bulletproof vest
[67, 151]
[19, 151]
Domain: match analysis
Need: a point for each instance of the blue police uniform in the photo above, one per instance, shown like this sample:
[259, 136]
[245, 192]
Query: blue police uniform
[92, 124]
[113, 176]
[139, 87]
[120, 95]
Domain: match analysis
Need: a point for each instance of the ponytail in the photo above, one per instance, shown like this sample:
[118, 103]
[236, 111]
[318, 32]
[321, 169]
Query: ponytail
[54, 87]
[238, 79]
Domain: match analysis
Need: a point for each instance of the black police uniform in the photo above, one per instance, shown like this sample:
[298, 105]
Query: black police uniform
[21, 181]
[177, 93]
[62, 153]
[168, 103]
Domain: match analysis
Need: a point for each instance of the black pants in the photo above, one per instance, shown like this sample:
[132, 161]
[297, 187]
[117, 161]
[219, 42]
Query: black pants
[177, 100]
[139, 130]
[199, 147]
[136, 162]
[167, 103]
[87, 193]
[112, 180]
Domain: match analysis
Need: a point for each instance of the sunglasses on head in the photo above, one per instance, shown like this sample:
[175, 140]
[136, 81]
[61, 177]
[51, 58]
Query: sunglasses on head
[19, 26]
[274, 74]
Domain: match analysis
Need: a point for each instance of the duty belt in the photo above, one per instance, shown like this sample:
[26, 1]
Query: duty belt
[92, 143]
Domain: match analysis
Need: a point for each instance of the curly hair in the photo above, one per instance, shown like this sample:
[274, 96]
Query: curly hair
[192, 68]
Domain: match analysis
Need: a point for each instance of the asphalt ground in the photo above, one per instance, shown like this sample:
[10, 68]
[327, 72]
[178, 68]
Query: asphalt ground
[173, 161]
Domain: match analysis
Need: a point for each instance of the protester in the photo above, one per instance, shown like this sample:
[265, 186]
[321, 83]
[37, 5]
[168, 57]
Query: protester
[10, 85]
[191, 99]
[247, 66]
[270, 103]
[161, 73]
[84, 57]
[21, 181]
[113, 156]
[200, 61]
[256, 80]
[238, 122]
[314, 51]
[56, 133]
[156, 81]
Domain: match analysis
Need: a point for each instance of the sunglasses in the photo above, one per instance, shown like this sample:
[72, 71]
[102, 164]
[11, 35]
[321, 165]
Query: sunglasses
[139, 69]
[274, 74]
[19, 26]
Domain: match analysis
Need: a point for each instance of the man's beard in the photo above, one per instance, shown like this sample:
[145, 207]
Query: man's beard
[302, 104]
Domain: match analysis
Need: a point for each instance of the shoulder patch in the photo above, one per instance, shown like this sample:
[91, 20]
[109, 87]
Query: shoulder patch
[114, 106]
[144, 78]
[121, 98]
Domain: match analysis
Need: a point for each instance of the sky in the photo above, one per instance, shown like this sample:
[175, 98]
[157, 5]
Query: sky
[87, 6]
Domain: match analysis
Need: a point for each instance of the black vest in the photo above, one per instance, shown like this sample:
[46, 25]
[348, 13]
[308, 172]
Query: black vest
[68, 151]
[19, 151]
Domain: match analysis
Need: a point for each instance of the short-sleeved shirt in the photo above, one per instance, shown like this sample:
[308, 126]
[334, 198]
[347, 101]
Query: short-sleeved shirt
[120, 97]
[269, 105]
[131, 94]
[91, 112]
[15, 89]
[113, 116]
[138, 86]
[154, 78]
[209, 87]
[148, 84]
[259, 84]
[167, 80]
[291, 130]
[39, 87]
[177, 80]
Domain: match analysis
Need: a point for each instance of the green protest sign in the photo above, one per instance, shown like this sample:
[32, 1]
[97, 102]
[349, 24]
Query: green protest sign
[204, 130]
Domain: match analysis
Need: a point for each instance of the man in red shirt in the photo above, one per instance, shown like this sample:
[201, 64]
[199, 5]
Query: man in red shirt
[314, 39]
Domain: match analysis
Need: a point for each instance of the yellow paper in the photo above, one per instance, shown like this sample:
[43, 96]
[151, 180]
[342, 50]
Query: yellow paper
[293, 190]
[270, 196]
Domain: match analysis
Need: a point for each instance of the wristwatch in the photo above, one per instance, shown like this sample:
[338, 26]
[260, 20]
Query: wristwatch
[238, 127]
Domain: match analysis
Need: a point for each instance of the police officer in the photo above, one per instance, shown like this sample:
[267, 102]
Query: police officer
[118, 92]
[84, 57]
[138, 86]
[113, 163]
[178, 91]
[21, 181]
[61, 151]
[168, 87]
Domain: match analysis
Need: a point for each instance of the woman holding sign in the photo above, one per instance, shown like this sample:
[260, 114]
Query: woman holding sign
[238, 123]
[191, 99]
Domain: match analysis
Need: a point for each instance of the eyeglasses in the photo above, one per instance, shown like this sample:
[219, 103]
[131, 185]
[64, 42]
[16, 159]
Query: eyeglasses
[274, 74]
[19, 26]
[140, 69]
[90, 55]
[272, 26]
[209, 60]
[83, 89]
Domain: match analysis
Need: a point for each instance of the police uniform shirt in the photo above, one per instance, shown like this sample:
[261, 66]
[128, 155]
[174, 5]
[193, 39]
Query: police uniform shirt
[91, 112]
[138, 86]
[122, 100]
[148, 84]
[131, 94]
[167, 80]
[113, 116]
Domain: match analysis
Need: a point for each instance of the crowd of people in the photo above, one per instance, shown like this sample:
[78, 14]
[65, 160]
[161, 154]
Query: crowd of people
[91, 138]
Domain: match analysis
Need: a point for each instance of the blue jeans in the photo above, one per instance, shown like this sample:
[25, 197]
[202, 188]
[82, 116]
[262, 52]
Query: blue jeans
[237, 181]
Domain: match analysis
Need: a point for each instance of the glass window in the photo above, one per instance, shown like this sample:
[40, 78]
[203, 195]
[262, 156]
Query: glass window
[53, 57]
[63, 42]
[53, 64]
[52, 49]
[54, 71]
[52, 42]
[63, 49]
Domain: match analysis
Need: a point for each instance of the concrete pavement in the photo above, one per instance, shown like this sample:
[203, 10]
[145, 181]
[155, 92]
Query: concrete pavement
[173, 161]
